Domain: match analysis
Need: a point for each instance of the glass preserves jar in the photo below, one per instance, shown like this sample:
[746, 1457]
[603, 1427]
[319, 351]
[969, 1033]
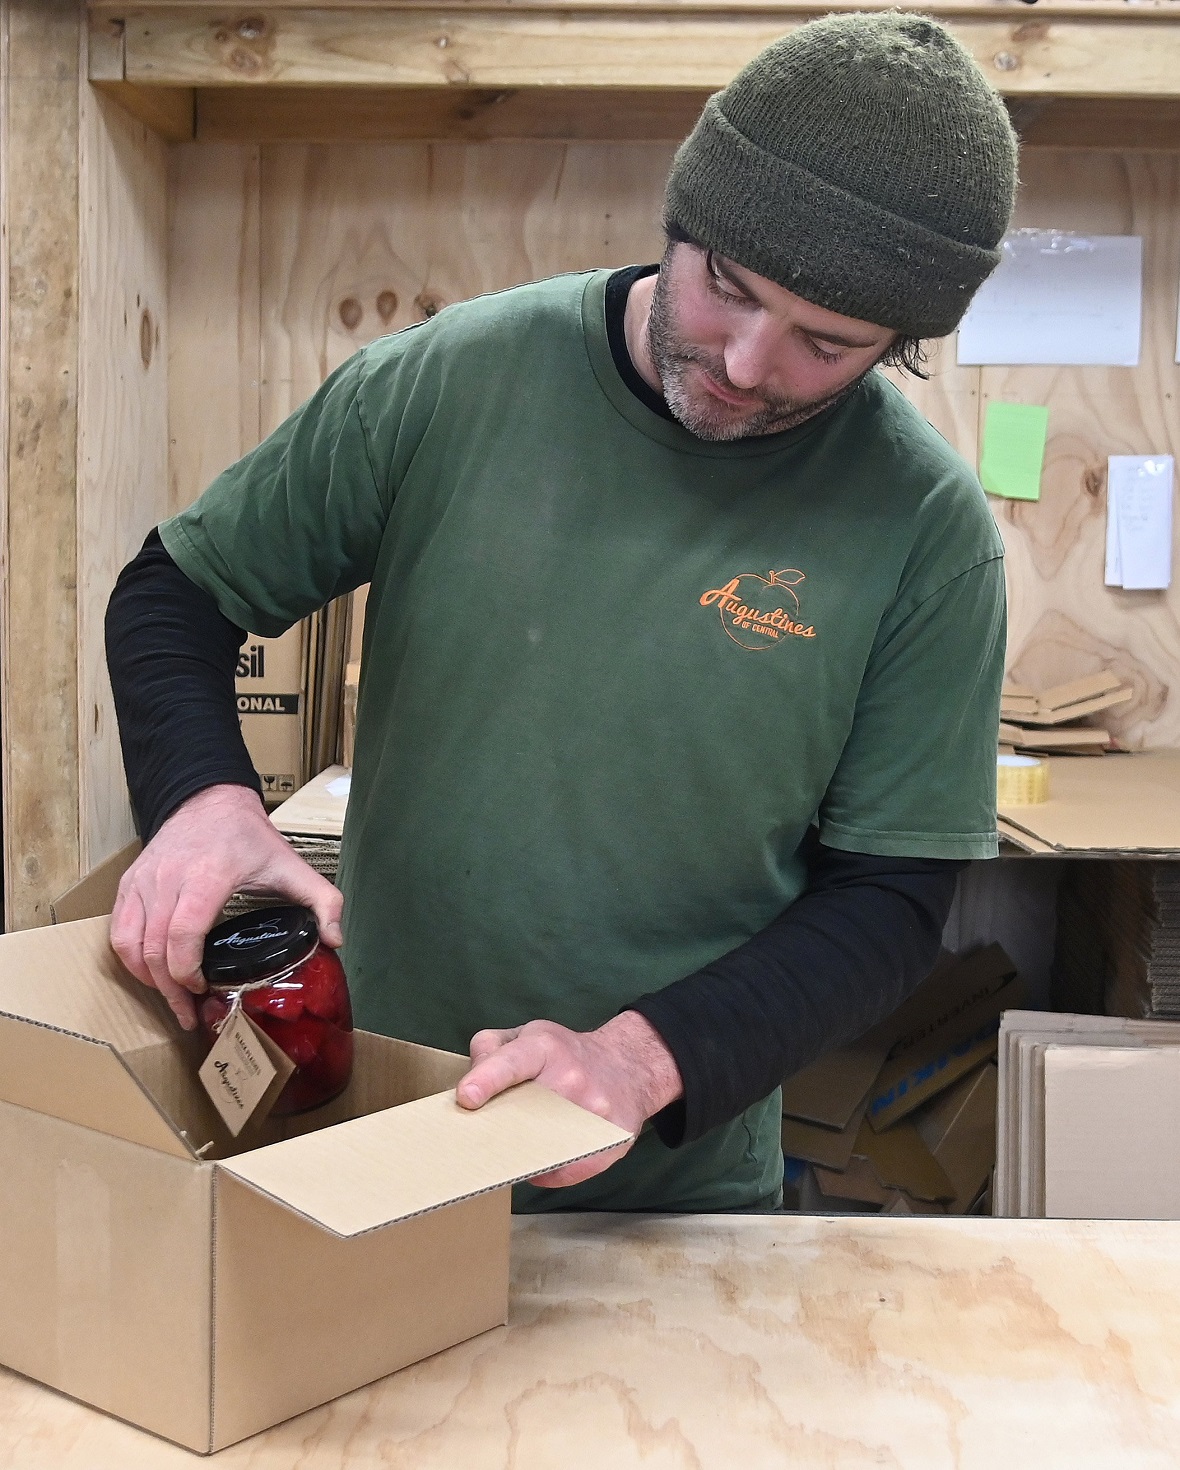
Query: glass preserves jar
[272, 964]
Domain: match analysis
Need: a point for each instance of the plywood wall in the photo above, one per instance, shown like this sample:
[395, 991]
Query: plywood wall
[285, 258]
[122, 468]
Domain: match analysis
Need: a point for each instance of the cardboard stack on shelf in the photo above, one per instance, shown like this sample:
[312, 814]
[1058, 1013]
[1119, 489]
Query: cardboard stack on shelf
[904, 1119]
[1088, 1115]
[1051, 722]
[1118, 927]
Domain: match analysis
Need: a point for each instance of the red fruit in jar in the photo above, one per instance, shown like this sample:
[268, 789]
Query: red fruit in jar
[214, 1009]
[333, 1065]
[299, 1039]
[323, 993]
[282, 1000]
[293, 989]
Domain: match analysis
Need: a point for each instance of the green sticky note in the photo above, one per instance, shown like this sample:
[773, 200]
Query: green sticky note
[1014, 450]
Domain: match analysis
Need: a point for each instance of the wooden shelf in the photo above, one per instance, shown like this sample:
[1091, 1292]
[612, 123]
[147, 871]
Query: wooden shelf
[1076, 50]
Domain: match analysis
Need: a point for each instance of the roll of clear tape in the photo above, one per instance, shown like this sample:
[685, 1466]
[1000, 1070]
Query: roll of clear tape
[1021, 780]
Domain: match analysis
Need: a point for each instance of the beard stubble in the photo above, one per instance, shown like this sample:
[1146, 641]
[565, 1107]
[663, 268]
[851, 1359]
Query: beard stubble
[673, 357]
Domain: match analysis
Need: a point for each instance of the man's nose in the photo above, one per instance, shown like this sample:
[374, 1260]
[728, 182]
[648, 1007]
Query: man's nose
[747, 358]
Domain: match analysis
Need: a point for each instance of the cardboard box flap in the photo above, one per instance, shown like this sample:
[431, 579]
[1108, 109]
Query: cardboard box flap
[95, 894]
[67, 977]
[370, 1171]
[80, 1081]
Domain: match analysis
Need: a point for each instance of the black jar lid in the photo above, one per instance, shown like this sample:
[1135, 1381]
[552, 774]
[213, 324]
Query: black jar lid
[258, 944]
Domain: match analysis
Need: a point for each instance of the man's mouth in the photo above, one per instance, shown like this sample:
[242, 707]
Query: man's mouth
[733, 400]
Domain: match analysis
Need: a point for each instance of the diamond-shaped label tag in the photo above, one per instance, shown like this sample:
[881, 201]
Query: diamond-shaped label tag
[244, 1072]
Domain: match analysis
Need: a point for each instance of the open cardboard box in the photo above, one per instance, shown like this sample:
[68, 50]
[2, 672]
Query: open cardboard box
[204, 1288]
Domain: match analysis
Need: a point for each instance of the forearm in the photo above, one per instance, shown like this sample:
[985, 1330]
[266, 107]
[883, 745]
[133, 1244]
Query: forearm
[860, 938]
[172, 657]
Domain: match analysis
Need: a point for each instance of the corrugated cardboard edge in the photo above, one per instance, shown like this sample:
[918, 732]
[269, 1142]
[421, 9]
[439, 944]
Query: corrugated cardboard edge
[509, 1111]
[1120, 805]
[213, 1273]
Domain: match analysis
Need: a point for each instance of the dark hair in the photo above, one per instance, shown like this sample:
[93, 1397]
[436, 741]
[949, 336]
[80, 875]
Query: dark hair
[910, 355]
[907, 353]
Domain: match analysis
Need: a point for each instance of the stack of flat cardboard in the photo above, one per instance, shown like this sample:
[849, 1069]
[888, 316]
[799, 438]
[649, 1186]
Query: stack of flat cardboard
[1119, 939]
[1050, 722]
[904, 1118]
[1088, 1116]
[312, 821]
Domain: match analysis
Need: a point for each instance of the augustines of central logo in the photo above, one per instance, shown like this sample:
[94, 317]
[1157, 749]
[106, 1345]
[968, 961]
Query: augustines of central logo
[751, 608]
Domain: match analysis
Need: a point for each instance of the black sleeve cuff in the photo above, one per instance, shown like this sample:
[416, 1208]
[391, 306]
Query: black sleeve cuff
[172, 657]
[864, 933]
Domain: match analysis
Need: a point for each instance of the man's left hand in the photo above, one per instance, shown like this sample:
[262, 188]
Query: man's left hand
[623, 1072]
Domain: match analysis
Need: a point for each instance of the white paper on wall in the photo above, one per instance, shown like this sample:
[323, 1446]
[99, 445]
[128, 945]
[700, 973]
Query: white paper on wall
[1058, 298]
[1139, 489]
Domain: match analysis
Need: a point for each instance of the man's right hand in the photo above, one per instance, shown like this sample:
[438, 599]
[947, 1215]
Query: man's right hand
[216, 843]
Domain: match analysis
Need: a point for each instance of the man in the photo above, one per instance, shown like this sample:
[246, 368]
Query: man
[683, 645]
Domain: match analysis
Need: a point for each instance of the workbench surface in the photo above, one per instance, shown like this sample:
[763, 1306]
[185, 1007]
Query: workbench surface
[750, 1342]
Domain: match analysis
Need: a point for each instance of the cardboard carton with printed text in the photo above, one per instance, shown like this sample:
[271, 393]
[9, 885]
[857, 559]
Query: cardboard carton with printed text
[206, 1288]
[270, 710]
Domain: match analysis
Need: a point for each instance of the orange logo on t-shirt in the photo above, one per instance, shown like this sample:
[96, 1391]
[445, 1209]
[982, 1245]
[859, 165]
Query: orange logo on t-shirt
[748, 611]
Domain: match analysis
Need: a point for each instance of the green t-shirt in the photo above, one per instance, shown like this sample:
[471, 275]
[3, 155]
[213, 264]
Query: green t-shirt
[611, 674]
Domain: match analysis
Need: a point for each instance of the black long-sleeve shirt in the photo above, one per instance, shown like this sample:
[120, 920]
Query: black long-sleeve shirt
[861, 936]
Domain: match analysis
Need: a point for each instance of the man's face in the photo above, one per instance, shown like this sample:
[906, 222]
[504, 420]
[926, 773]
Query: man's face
[739, 355]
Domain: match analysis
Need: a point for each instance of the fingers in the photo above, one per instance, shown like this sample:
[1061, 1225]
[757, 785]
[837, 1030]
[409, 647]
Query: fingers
[128, 923]
[502, 1067]
[484, 1043]
[285, 872]
[584, 1169]
[195, 913]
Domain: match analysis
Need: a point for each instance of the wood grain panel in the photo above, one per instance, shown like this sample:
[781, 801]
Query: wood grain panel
[38, 693]
[213, 313]
[122, 422]
[361, 241]
[1063, 621]
[853, 1343]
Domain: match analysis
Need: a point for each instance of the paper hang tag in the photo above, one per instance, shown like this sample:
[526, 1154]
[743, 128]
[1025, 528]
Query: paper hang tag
[244, 1072]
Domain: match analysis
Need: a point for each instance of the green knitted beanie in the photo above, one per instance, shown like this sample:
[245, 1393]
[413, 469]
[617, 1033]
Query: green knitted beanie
[864, 163]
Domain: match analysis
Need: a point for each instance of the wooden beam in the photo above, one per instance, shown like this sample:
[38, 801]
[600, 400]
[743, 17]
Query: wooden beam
[1115, 124]
[335, 114]
[374, 114]
[170, 112]
[1140, 10]
[39, 690]
[178, 46]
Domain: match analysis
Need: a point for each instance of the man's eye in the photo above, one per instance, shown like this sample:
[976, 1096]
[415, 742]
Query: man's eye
[718, 283]
[818, 351]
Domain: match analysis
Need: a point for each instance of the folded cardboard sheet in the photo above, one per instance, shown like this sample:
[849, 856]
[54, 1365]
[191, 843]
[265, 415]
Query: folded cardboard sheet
[908, 1112]
[1127, 804]
[268, 1273]
[1065, 1121]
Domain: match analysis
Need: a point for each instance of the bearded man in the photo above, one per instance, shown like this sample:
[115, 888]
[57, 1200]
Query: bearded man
[683, 646]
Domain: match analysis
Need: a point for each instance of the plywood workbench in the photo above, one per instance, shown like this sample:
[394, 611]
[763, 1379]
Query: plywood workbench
[708, 1343]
